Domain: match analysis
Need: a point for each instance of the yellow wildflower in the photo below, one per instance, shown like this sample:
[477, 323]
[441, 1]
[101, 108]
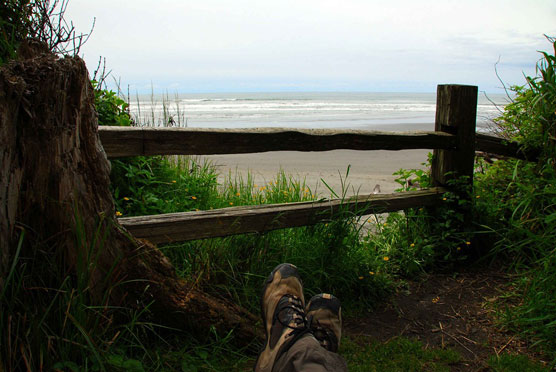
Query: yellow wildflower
[412, 245]
[458, 249]
[118, 213]
[386, 258]
[435, 300]
[467, 243]
[173, 181]
[360, 278]
[444, 199]
[238, 194]
[194, 197]
[197, 209]
[126, 198]
[371, 273]
[478, 196]
[231, 203]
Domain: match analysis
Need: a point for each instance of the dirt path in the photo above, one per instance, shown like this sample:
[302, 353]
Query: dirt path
[446, 311]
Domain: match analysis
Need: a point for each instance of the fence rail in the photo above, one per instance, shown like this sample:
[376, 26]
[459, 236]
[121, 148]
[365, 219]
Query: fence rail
[454, 142]
[503, 147]
[131, 141]
[135, 141]
[167, 228]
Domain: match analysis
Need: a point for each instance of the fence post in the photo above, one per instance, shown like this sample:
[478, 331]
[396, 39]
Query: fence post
[456, 113]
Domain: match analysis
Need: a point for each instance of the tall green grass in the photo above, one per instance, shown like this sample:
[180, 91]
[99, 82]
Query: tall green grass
[517, 208]
[50, 317]
[331, 255]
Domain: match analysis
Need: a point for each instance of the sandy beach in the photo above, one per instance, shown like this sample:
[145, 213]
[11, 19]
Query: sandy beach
[368, 168]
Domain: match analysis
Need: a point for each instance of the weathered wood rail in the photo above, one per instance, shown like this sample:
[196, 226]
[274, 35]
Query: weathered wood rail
[171, 227]
[454, 142]
[148, 141]
[132, 141]
[503, 147]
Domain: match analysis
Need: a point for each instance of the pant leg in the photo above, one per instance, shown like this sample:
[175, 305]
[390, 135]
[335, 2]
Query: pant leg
[306, 355]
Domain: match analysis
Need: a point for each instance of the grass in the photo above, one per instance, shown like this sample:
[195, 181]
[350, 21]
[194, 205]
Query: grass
[48, 316]
[518, 219]
[331, 256]
[327, 253]
[398, 354]
[517, 208]
[515, 363]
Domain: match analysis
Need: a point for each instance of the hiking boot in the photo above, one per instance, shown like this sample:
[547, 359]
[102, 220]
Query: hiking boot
[283, 312]
[324, 315]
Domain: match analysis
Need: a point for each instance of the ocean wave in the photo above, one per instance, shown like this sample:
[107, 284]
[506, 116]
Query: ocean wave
[268, 109]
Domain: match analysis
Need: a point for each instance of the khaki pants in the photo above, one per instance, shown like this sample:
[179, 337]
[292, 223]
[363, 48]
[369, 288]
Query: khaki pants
[306, 355]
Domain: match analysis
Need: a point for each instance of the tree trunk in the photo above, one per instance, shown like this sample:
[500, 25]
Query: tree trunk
[55, 185]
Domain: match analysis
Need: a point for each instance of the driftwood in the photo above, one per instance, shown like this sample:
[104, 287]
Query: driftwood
[55, 173]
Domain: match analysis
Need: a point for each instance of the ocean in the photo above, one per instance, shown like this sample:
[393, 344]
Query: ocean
[363, 111]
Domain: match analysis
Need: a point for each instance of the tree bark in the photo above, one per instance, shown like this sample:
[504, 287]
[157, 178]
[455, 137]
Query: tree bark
[55, 185]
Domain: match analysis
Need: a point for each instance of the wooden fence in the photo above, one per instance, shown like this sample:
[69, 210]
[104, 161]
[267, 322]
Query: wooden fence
[454, 142]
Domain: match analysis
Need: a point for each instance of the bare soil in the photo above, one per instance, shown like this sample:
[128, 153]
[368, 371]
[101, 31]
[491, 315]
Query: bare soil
[447, 311]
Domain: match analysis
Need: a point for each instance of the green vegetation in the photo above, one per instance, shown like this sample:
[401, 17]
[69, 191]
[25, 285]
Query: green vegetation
[514, 363]
[399, 354]
[111, 108]
[517, 206]
[432, 238]
[50, 320]
[15, 23]
[331, 256]
[37, 21]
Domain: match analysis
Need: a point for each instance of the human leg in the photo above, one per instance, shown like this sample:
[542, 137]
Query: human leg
[307, 355]
[283, 312]
[292, 343]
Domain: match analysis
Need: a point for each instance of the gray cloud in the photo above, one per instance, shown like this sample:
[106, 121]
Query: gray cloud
[314, 45]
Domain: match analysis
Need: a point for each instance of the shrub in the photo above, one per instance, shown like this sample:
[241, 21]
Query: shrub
[517, 205]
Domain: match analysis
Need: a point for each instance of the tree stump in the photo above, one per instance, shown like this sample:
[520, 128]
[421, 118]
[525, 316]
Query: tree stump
[55, 184]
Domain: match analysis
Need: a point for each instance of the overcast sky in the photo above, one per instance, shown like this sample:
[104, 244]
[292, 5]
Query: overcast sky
[314, 45]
